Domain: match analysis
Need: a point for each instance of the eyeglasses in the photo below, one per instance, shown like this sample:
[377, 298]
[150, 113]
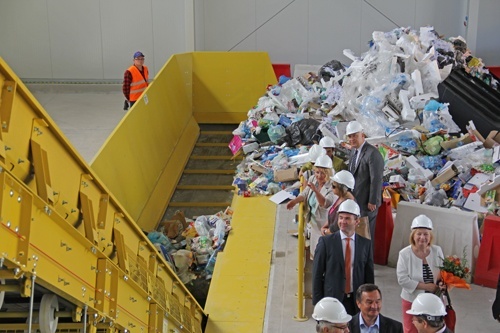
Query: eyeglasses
[343, 328]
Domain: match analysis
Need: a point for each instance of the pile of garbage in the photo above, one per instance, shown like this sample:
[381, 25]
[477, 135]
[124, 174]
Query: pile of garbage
[190, 247]
[392, 90]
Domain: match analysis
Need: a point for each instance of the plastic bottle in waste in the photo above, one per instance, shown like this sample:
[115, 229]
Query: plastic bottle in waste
[431, 162]
[209, 267]
[408, 144]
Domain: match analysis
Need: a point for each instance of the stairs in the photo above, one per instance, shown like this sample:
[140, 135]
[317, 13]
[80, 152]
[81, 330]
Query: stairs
[205, 185]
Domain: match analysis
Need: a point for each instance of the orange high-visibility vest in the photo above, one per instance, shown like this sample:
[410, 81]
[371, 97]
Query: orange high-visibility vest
[138, 84]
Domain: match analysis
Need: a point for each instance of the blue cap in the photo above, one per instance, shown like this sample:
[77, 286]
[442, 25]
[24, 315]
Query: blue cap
[138, 54]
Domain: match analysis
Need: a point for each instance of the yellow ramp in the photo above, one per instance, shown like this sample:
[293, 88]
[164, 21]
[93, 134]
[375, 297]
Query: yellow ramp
[238, 292]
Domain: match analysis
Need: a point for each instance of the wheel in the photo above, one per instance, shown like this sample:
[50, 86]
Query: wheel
[47, 315]
[2, 293]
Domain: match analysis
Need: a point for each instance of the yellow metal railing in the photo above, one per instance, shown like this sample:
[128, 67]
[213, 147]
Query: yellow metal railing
[301, 262]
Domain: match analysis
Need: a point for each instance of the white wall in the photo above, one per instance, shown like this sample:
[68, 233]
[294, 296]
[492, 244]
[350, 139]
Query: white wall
[95, 39]
[92, 39]
[316, 31]
[488, 32]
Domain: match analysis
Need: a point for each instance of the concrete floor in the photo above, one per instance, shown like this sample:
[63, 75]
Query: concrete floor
[87, 114]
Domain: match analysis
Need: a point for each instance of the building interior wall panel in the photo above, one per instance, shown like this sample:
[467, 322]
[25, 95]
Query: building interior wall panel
[94, 40]
[24, 28]
[227, 23]
[285, 35]
[446, 16]
[328, 35]
[488, 37]
[168, 30]
[199, 25]
[126, 28]
[75, 40]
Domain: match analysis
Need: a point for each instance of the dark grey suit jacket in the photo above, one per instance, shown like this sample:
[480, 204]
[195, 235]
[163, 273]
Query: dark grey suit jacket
[387, 325]
[368, 176]
[328, 266]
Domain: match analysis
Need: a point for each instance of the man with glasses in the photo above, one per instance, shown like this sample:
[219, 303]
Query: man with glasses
[369, 320]
[331, 316]
[135, 80]
[428, 313]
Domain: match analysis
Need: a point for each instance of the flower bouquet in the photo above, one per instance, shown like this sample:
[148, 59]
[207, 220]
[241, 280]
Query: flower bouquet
[454, 271]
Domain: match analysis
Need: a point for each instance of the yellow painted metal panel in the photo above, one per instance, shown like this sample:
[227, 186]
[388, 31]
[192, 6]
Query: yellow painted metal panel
[234, 326]
[227, 84]
[43, 212]
[221, 117]
[151, 143]
[165, 186]
[243, 269]
[140, 164]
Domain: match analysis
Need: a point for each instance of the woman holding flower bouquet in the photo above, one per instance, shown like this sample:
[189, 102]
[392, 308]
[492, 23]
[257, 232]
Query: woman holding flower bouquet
[418, 267]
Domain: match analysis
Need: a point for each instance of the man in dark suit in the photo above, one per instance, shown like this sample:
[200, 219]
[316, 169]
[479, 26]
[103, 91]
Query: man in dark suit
[343, 261]
[367, 166]
[369, 302]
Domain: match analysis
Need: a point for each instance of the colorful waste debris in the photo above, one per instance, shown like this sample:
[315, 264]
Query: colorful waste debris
[392, 90]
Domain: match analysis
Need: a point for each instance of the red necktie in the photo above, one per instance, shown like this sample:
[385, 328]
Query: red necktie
[347, 260]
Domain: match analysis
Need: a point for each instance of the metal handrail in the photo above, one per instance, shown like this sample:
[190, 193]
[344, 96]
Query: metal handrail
[300, 262]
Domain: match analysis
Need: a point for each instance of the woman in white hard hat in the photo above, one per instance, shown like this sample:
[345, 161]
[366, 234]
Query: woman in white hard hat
[306, 170]
[418, 267]
[318, 194]
[328, 145]
[342, 184]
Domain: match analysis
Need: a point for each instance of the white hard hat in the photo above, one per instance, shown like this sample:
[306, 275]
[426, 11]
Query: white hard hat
[421, 221]
[349, 206]
[327, 142]
[331, 310]
[353, 127]
[344, 177]
[316, 151]
[324, 162]
[427, 304]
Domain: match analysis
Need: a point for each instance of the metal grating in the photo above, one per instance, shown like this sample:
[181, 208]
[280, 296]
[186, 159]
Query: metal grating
[160, 293]
[175, 308]
[187, 319]
[138, 269]
[197, 326]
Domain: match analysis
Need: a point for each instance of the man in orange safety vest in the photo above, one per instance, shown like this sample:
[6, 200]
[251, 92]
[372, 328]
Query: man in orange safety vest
[135, 80]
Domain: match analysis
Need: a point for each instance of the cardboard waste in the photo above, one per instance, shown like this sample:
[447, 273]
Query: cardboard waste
[392, 90]
[190, 247]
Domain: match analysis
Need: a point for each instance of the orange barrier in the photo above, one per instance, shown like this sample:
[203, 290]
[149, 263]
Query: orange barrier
[488, 261]
[282, 69]
[383, 233]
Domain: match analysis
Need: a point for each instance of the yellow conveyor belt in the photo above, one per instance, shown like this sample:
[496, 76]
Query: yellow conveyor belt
[238, 292]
